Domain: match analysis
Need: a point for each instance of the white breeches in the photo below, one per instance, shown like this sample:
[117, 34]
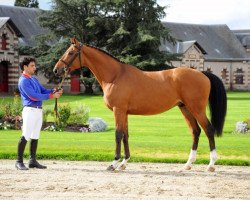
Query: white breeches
[32, 122]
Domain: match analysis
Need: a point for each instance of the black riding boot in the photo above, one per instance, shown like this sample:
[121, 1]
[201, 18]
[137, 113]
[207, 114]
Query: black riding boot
[20, 149]
[32, 162]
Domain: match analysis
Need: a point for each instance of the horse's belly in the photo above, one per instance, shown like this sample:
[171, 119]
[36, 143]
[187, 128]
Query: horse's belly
[150, 109]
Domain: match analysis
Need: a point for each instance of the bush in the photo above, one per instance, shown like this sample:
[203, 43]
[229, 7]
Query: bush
[10, 114]
[46, 113]
[63, 116]
[80, 115]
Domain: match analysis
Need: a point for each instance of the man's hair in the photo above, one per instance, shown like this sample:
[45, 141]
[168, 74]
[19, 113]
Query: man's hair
[26, 61]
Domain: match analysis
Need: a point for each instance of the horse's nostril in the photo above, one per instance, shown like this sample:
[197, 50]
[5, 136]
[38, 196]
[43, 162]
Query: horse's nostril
[55, 71]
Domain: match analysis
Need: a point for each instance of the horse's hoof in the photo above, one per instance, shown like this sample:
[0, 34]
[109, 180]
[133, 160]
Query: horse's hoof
[122, 167]
[111, 168]
[187, 167]
[211, 168]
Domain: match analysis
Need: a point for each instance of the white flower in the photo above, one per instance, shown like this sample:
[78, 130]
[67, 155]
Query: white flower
[241, 127]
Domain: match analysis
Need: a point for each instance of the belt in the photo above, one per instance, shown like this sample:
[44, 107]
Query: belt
[39, 107]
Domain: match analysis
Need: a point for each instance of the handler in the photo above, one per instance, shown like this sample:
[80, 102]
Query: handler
[32, 94]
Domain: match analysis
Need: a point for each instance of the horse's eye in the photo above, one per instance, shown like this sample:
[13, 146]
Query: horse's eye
[71, 53]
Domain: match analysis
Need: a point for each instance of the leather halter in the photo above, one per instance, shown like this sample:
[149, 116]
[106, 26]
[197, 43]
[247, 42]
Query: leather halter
[68, 64]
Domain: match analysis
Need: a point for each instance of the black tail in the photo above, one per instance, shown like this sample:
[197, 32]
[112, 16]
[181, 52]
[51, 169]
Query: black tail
[217, 103]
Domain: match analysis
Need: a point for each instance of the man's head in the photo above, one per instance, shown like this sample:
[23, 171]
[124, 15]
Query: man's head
[28, 66]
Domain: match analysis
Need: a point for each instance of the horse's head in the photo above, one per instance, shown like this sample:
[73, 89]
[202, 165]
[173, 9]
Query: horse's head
[70, 60]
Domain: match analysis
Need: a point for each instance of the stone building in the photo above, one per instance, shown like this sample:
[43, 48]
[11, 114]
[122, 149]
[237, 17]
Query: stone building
[212, 48]
[244, 37]
[18, 26]
[9, 57]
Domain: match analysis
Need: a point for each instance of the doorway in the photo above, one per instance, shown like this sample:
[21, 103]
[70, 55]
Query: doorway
[4, 76]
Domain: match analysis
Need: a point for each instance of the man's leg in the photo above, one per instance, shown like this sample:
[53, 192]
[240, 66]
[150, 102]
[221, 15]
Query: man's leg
[33, 162]
[20, 150]
[34, 141]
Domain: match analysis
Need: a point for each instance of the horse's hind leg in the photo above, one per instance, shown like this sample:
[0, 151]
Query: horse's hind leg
[195, 129]
[209, 130]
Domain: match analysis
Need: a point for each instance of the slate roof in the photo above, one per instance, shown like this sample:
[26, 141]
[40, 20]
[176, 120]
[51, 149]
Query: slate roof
[25, 19]
[243, 36]
[4, 20]
[218, 41]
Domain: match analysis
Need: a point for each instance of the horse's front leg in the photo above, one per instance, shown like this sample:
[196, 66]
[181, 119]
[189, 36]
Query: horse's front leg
[123, 164]
[121, 124]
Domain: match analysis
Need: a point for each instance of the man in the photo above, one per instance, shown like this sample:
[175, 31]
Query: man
[32, 94]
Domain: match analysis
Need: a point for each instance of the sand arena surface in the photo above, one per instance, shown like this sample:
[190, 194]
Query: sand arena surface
[90, 180]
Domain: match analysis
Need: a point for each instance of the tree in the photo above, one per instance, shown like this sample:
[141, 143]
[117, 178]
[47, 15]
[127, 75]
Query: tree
[130, 30]
[27, 3]
[138, 33]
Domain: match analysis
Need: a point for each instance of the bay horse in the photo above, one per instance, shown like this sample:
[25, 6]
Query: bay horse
[128, 90]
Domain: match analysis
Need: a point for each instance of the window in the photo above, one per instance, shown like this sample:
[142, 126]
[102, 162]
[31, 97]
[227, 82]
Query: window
[238, 75]
[4, 42]
[224, 75]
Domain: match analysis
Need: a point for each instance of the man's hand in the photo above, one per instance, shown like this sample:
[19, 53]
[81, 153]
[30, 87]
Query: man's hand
[57, 94]
[60, 91]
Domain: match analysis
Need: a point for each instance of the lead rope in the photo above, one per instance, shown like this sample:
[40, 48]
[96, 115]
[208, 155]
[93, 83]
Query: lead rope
[57, 89]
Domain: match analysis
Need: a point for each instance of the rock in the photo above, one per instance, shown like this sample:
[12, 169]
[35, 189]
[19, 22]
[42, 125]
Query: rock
[97, 124]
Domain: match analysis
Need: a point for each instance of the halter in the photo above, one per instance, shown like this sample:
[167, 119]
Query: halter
[66, 71]
[68, 65]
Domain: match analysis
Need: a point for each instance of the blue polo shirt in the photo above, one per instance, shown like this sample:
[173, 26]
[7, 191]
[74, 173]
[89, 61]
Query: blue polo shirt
[32, 92]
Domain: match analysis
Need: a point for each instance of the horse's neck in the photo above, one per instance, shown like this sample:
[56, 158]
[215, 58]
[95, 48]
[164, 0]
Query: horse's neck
[104, 67]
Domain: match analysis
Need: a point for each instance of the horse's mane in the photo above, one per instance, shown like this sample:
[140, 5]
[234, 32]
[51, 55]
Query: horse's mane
[105, 53]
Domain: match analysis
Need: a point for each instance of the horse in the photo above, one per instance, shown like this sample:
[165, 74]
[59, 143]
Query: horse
[128, 90]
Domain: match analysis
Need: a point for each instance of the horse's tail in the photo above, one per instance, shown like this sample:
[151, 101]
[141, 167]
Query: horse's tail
[217, 103]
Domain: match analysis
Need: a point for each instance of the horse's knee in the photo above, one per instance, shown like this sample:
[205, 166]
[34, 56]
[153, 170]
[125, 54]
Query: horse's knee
[119, 136]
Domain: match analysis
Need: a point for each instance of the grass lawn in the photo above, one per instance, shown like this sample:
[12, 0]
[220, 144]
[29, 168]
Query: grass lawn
[158, 138]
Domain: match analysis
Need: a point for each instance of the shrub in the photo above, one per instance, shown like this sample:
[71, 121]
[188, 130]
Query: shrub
[10, 114]
[46, 113]
[80, 115]
[1, 112]
[63, 116]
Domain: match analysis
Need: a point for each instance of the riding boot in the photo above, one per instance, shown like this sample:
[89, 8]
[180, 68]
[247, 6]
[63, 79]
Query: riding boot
[33, 162]
[20, 150]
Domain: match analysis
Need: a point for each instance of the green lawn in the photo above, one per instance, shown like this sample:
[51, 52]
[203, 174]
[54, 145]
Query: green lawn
[158, 138]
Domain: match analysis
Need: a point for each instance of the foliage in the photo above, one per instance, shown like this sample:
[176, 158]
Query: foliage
[67, 117]
[27, 3]
[6, 126]
[10, 114]
[130, 30]
[46, 113]
[49, 58]
[247, 121]
[61, 120]
[80, 115]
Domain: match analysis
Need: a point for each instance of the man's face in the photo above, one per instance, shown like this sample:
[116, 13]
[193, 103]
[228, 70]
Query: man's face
[30, 69]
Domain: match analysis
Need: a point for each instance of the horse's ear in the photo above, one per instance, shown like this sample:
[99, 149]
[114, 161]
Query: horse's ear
[74, 41]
